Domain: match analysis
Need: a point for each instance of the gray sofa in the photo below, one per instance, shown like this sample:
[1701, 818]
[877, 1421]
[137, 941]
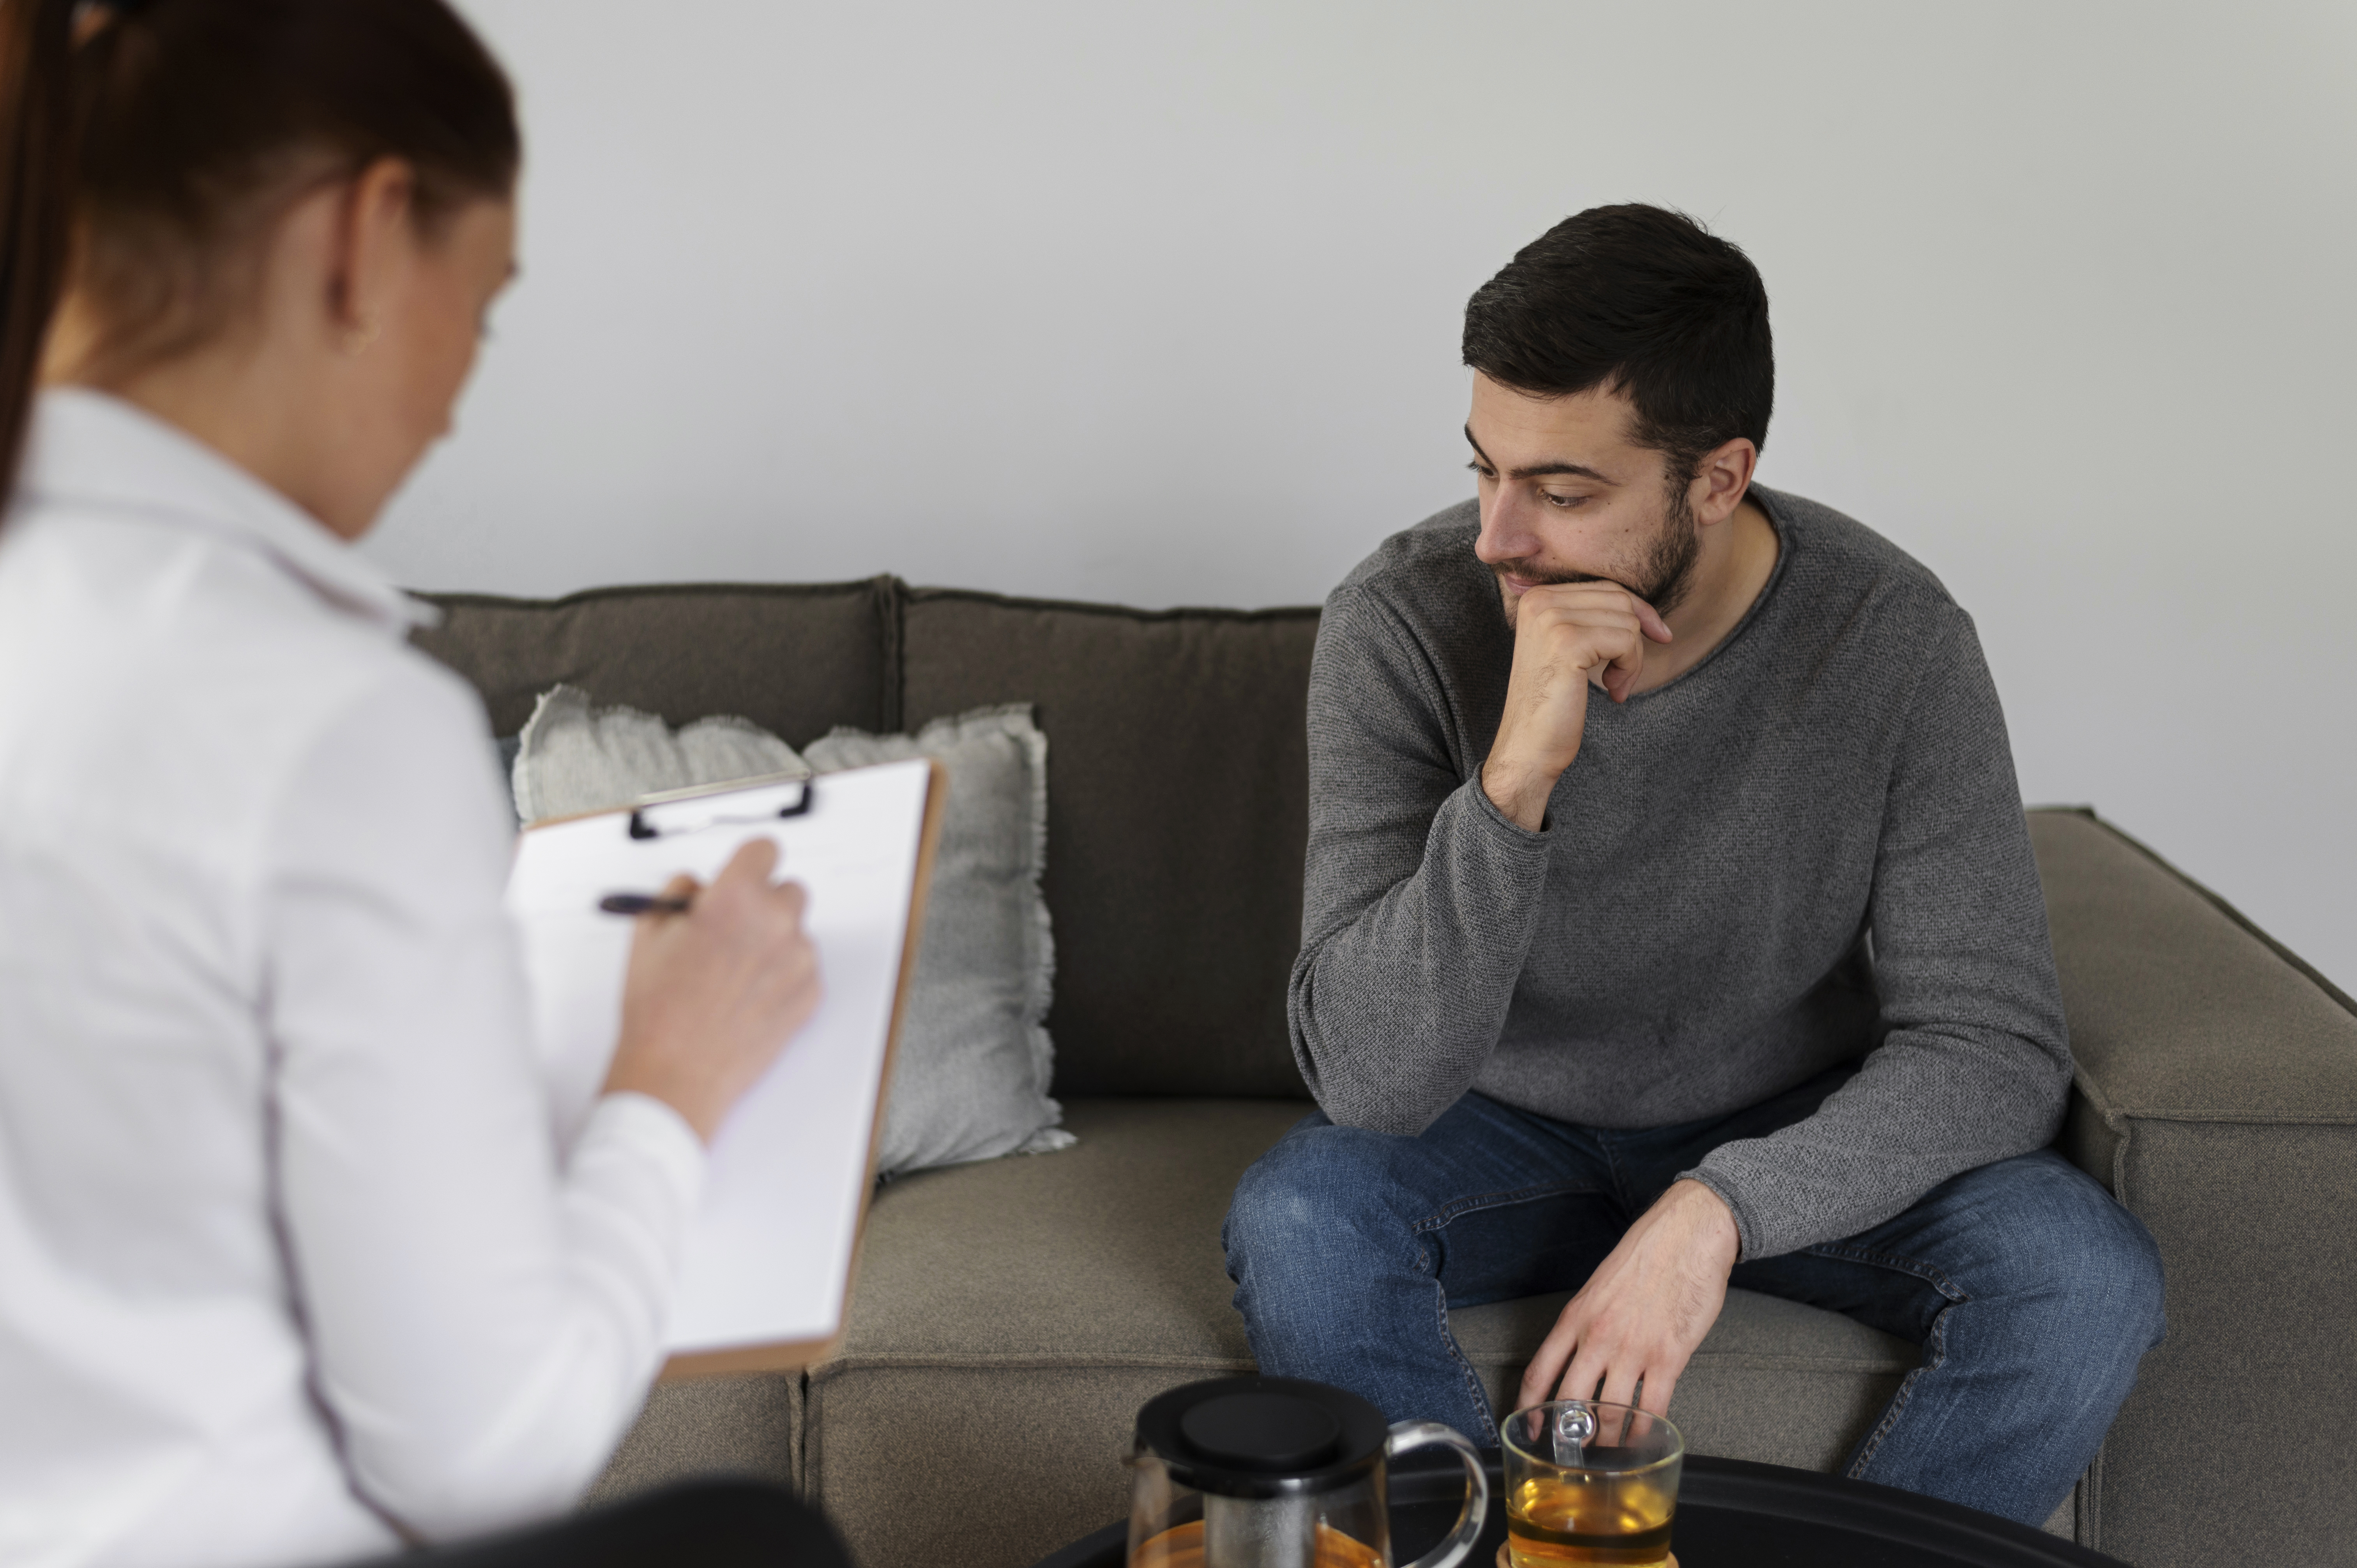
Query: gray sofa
[1010, 1317]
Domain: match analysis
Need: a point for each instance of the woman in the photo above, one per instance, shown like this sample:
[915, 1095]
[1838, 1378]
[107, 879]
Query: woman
[290, 1270]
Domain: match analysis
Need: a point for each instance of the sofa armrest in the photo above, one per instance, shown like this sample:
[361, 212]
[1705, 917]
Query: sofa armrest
[2216, 1096]
[2180, 1009]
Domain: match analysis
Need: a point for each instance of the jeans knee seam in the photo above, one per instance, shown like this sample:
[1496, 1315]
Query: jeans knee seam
[1480, 1395]
[1441, 1216]
[1921, 1271]
[1936, 1351]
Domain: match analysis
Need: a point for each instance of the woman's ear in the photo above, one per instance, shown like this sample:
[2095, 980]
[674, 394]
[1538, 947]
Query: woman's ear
[373, 247]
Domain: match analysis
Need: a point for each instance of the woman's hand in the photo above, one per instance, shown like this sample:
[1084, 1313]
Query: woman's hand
[713, 994]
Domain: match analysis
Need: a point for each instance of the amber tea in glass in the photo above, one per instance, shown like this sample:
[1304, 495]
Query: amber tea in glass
[1590, 1483]
[1182, 1547]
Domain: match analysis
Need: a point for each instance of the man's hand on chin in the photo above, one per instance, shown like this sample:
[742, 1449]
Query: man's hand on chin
[1645, 1309]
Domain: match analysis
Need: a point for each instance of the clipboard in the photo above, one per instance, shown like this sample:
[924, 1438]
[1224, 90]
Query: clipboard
[768, 1265]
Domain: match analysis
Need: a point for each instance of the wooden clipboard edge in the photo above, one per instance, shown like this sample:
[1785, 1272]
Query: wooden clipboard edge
[792, 1356]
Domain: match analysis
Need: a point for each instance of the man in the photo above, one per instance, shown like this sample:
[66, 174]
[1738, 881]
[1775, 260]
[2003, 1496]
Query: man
[1671, 923]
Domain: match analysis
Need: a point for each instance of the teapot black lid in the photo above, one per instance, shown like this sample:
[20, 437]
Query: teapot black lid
[1263, 1437]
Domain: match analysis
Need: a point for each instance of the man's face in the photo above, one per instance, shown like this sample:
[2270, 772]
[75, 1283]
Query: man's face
[1567, 497]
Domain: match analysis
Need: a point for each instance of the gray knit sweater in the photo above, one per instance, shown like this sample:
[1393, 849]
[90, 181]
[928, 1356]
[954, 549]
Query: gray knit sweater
[1689, 935]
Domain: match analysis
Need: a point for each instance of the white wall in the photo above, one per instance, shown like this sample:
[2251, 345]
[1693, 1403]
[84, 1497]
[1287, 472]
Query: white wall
[1159, 303]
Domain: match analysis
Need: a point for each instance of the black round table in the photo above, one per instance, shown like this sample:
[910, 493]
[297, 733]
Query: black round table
[1731, 1514]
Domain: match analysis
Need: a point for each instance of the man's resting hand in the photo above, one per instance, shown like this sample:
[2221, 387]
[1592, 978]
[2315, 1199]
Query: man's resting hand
[1645, 1309]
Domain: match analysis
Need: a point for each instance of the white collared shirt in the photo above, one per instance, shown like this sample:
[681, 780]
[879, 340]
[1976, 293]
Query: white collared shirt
[289, 1261]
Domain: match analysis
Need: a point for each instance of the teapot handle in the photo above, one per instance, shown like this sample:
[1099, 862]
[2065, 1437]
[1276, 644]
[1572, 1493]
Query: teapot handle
[1412, 1435]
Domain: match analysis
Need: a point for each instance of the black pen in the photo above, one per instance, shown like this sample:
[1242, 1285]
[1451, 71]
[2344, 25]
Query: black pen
[642, 904]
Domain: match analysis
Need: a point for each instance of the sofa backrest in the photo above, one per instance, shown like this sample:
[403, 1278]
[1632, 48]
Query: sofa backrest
[1177, 803]
[1177, 817]
[795, 658]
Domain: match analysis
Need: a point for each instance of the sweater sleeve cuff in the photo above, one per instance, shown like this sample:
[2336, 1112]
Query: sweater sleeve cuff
[1500, 823]
[661, 1135]
[1747, 1235]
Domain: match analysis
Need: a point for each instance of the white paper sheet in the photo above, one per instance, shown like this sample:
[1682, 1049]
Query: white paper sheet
[769, 1258]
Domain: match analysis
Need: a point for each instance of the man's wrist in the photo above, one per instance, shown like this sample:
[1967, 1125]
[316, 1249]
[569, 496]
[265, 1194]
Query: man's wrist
[1518, 790]
[1710, 1216]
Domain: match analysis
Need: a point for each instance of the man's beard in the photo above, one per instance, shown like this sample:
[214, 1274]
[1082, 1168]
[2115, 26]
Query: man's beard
[1662, 579]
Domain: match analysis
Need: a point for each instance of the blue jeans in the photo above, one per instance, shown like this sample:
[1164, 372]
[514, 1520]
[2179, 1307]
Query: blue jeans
[2033, 1293]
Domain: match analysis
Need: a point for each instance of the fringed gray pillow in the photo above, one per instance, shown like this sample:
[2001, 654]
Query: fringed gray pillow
[974, 1056]
[975, 1060]
[574, 757]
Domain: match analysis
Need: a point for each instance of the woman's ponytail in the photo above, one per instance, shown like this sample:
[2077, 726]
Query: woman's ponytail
[37, 202]
[146, 144]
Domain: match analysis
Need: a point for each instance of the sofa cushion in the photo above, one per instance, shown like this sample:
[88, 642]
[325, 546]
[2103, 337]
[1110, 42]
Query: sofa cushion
[1015, 1316]
[1177, 763]
[748, 1423]
[797, 660]
[1111, 1249]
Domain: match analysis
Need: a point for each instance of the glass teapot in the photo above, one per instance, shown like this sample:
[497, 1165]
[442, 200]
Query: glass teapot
[1256, 1472]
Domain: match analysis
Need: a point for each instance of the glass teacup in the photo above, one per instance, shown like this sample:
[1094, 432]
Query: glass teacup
[1590, 1483]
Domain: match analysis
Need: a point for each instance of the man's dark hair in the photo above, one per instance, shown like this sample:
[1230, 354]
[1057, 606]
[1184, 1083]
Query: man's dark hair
[1641, 300]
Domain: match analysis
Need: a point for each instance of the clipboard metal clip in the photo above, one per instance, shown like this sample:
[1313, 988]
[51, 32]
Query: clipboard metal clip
[692, 811]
